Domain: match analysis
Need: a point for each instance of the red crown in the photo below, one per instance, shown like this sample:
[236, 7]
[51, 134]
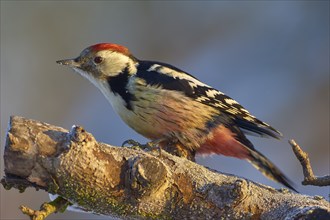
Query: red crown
[109, 46]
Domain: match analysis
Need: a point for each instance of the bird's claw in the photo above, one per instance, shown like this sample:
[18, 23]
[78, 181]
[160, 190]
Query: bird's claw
[136, 145]
[130, 143]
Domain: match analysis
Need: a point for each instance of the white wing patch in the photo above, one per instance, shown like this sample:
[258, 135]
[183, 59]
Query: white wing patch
[176, 74]
[220, 105]
[154, 67]
[249, 118]
[230, 101]
[192, 84]
[202, 99]
[212, 93]
[244, 110]
[233, 111]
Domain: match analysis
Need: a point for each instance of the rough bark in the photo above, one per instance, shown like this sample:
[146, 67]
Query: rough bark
[136, 184]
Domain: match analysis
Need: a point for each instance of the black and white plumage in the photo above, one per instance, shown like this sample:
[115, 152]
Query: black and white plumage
[162, 102]
[156, 73]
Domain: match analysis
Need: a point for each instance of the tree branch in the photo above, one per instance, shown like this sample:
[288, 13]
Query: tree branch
[309, 177]
[135, 184]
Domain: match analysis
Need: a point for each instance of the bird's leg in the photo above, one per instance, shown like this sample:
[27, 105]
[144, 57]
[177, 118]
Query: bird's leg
[156, 145]
[149, 145]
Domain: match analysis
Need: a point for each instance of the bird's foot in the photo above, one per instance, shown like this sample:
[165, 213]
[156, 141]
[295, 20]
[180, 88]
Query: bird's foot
[132, 144]
[136, 145]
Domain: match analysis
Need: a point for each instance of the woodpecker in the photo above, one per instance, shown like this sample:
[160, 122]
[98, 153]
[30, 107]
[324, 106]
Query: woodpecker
[168, 105]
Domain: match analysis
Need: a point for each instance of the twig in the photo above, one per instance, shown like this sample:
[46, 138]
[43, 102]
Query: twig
[309, 177]
[58, 205]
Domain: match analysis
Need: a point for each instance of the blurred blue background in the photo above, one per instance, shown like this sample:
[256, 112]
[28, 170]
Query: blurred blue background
[272, 57]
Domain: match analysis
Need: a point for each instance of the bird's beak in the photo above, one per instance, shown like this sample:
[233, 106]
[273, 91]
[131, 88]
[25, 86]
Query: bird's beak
[69, 62]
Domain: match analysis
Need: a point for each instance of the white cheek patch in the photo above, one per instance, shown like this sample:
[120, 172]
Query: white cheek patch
[115, 63]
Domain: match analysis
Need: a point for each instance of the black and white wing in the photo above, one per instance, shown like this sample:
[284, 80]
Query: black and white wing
[171, 78]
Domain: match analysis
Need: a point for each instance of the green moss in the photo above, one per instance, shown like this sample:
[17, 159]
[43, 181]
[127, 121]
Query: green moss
[53, 187]
[95, 200]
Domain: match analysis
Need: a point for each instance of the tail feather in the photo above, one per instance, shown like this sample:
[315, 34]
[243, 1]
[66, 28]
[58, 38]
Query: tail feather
[232, 142]
[267, 168]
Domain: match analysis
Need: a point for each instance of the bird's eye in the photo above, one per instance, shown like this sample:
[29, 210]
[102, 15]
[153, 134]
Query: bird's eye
[98, 60]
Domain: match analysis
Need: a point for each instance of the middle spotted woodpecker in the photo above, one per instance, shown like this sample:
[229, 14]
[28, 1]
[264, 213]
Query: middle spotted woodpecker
[168, 105]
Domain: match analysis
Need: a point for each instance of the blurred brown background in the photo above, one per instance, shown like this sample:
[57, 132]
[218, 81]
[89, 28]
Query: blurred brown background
[273, 57]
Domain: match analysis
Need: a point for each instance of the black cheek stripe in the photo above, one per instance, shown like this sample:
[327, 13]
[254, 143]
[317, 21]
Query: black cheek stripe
[118, 86]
